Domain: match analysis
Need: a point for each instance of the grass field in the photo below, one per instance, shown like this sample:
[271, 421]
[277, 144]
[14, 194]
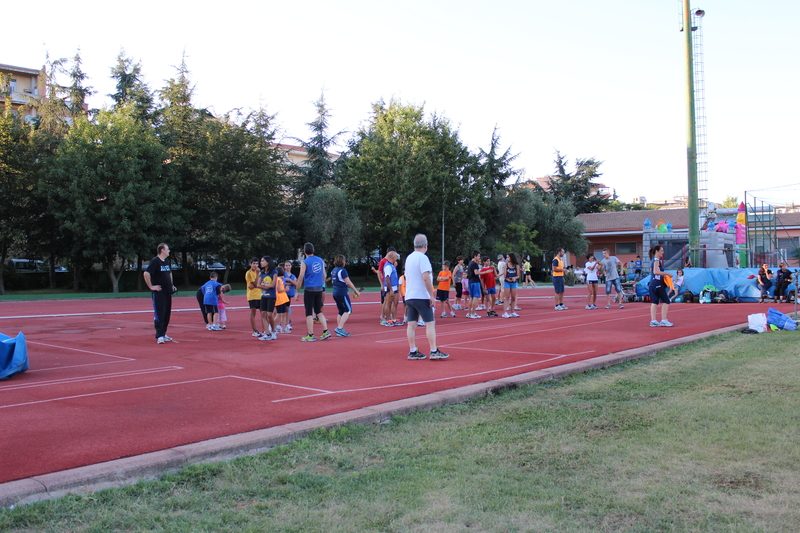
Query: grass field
[701, 438]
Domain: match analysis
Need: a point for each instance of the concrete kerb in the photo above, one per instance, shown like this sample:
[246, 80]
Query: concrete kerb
[130, 470]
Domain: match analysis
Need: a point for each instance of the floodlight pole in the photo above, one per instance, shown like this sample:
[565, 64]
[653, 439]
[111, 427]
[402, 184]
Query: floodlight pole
[691, 131]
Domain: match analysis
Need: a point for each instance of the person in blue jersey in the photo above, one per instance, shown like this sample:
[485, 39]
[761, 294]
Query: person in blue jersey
[341, 284]
[211, 290]
[158, 277]
[312, 275]
[289, 281]
[421, 300]
[657, 287]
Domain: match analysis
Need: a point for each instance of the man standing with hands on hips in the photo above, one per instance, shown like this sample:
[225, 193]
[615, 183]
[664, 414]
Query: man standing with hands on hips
[158, 277]
[421, 299]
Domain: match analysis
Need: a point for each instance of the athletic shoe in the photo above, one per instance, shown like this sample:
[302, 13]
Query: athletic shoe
[278, 329]
[621, 306]
[265, 337]
[458, 307]
[517, 309]
[316, 320]
[384, 322]
[308, 338]
[274, 335]
[289, 328]
[388, 323]
[223, 326]
[256, 334]
[444, 315]
[506, 315]
[588, 307]
[438, 354]
[564, 307]
[452, 314]
[666, 324]
[325, 335]
[416, 355]
[654, 323]
[161, 340]
[167, 339]
[420, 322]
[210, 327]
[515, 315]
[341, 332]
[608, 307]
[595, 307]
[474, 316]
[480, 308]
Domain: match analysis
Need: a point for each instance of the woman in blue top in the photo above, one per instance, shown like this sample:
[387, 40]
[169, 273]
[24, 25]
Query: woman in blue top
[658, 290]
[510, 285]
[341, 284]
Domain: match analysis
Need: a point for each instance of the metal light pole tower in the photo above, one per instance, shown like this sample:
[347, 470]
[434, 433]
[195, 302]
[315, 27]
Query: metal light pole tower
[691, 132]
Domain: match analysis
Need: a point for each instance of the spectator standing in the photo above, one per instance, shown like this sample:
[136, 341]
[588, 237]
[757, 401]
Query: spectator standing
[421, 300]
[158, 277]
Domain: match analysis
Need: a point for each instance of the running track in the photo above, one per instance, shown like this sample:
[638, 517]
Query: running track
[100, 388]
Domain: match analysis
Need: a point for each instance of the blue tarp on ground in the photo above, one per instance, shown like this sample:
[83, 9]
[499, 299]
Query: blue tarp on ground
[736, 281]
[13, 355]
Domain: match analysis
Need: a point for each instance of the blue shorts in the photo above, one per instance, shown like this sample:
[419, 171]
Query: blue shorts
[511, 284]
[474, 290]
[493, 290]
[616, 283]
[558, 284]
[343, 303]
[658, 294]
[417, 309]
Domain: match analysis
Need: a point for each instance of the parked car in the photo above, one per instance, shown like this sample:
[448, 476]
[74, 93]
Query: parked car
[44, 267]
[23, 266]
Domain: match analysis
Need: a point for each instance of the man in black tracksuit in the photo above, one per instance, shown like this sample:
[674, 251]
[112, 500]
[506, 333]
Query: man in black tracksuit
[158, 277]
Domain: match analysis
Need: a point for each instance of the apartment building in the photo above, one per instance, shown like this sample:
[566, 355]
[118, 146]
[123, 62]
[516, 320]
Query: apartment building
[24, 84]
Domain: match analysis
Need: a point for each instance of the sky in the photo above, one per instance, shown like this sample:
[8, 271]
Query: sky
[586, 78]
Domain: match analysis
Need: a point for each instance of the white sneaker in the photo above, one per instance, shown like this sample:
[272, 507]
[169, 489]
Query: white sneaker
[167, 338]
[265, 337]
[279, 329]
[506, 315]
[256, 334]
[480, 307]
[517, 309]
[420, 322]
[274, 335]
[444, 315]
[666, 324]
[515, 315]
[453, 314]
[588, 307]
[621, 306]
[564, 307]
[654, 323]
[161, 340]
[289, 328]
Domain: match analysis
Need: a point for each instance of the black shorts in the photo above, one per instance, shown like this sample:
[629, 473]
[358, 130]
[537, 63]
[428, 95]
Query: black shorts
[458, 290]
[419, 309]
[442, 296]
[312, 302]
[267, 305]
[282, 309]
[210, 309]
[254, 304]
[658, 294]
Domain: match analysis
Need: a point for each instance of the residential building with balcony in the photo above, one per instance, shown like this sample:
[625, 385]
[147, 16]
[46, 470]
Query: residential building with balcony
[24, 85]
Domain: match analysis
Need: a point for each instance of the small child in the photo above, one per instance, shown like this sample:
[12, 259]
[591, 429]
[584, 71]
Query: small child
[489, 282]
[444, 278]
[678, 283]
[401, 296]
[210, 290]
[465, 285]
[223, 316]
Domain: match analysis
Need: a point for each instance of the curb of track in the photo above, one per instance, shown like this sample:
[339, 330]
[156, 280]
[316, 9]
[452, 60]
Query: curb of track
[130, 470]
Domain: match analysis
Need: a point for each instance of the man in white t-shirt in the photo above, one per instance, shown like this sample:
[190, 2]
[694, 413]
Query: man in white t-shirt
[421, 299]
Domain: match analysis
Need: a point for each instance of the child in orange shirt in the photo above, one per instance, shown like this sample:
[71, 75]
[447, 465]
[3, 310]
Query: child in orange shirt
[444, 278]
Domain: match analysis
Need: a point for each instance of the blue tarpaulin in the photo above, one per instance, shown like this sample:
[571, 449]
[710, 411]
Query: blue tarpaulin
[13, 355]
[736, 281]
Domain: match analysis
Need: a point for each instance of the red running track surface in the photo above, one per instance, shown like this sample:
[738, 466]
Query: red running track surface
[99, 387]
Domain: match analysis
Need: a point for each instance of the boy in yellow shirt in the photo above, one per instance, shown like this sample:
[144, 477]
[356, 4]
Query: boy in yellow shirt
[445, 278]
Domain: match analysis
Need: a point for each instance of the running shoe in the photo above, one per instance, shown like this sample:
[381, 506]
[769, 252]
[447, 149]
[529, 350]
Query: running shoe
[506, 315]
[608, 307]
[340, 332]
[515, 315]
[383, 322]
[265, 337]
[274, 335]
[517, 309]
[564, 307]
[279, 329]
[420, 322]
[621, 306]
[438, 354]
[416, 355]
[256, 334]
[480, 307]
[161, 340]
[666, 324]
[444, 315]
[453, 314]
[308, 338]
[167, 338]
[654, 323]
[588, 307]
[325, 335]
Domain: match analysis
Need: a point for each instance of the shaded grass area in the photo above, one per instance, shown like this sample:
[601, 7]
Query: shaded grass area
[699, 438]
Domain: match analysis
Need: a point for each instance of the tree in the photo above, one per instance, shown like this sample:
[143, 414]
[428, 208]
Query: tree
[317, 169]
[333, 224]
[731, 202]
[407, 174]
[131, 89]
[579, 186]
[110, 191]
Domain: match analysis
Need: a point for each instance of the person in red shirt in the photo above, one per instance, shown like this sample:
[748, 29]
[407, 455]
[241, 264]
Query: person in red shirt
[489, 283]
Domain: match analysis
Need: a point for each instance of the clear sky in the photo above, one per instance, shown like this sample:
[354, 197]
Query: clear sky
[586, 77]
